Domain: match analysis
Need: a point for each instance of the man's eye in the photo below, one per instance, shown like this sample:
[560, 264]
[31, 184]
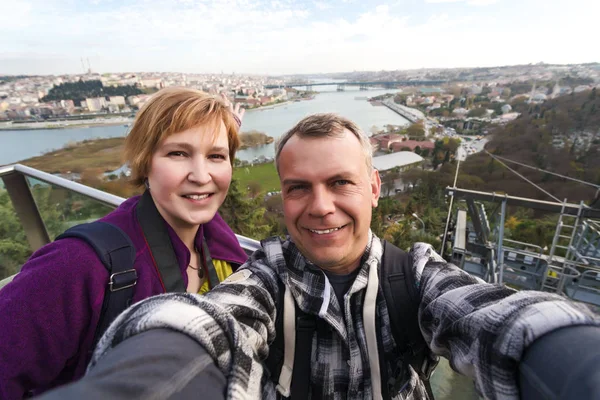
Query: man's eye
[295, 188]
[342, 182]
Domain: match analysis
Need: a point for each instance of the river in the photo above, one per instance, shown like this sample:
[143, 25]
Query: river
[18, 145]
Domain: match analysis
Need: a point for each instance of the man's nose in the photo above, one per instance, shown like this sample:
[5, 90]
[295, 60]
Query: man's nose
[322, 202]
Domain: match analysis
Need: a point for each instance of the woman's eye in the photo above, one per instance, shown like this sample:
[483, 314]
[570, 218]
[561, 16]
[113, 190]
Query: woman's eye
[218, 156]
[176, 154]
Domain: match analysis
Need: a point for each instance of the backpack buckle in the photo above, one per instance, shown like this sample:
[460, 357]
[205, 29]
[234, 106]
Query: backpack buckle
[122, 280]
[305, 323]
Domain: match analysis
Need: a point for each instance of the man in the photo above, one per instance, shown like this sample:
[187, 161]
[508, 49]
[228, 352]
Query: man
[329, 267]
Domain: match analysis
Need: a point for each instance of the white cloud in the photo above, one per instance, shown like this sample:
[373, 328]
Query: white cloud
[14, 15]
[470, 2]
[276, 36]
[321, 5]
[443, 1]
[482, 2]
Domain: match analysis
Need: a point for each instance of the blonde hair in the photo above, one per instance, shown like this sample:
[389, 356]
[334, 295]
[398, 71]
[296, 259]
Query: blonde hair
[326, 125]
[173, 110]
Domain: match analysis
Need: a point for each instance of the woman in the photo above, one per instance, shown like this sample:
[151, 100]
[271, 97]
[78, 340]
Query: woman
[181, 147]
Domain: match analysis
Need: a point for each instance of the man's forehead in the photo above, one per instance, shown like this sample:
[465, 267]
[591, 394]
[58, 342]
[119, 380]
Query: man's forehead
[345, 139]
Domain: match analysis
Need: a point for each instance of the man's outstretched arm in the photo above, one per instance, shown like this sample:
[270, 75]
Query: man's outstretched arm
[157, 364]
[484, 329]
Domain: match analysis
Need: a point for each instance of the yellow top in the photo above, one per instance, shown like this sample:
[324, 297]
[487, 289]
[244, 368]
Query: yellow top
[223, 269]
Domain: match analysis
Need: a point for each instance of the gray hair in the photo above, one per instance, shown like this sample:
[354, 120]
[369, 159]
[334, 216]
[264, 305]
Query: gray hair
[322, 126]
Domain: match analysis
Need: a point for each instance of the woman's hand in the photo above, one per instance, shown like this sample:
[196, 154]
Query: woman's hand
[237, 111]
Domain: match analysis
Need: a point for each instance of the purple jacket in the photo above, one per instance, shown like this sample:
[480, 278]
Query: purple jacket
[49, 312]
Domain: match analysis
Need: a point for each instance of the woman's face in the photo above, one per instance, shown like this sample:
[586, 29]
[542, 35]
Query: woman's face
[190, 174]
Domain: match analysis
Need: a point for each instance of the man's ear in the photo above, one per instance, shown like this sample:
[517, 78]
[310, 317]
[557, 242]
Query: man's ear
[375, 187]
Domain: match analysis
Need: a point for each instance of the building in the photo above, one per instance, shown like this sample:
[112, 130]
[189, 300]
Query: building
[95, 103]
[117, 100]
[152, 82]
[138, 100]
[67, 104]
[475, 89]
[581, 88]
[404, 160]
[460, 111]
[386, 140]
[374, 143]
[412, 145]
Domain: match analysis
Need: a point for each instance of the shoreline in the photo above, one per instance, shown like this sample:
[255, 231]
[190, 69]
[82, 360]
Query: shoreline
[79, 123]
[91, 123]
[269, 107]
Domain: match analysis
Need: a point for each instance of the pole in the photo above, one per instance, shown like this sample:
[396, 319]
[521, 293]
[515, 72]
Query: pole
[449, 211]
[500, 240]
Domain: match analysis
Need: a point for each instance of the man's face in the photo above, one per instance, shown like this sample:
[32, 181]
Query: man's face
[328, 194]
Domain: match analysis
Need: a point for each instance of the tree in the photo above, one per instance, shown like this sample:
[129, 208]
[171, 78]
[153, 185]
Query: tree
[388, 180]
[78, 91]
[446, 157]
[477, 112]
[254, 188]
[416, 129]
[245, 216]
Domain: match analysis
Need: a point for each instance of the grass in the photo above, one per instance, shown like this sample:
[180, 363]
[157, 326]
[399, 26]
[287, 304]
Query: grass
[263, 174]
[101, 154]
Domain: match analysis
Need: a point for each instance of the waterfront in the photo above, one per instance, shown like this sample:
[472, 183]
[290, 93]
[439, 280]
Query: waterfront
[274, 121]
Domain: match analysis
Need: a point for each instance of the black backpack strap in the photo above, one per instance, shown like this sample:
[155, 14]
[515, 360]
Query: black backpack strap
[159, 242]
[116, 251]
[306, 326]
[213, 278]
[274, 361]
[402, 300]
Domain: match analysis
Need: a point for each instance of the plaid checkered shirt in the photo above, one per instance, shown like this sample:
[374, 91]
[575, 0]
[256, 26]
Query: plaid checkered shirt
[483, 329]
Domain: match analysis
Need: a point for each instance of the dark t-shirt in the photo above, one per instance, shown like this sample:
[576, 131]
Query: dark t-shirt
[341, 284]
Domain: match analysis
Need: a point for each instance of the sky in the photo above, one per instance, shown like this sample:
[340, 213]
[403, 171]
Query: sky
[280, 37]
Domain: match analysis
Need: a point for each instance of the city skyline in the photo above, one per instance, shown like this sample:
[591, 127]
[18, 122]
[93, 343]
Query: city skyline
[290, 37]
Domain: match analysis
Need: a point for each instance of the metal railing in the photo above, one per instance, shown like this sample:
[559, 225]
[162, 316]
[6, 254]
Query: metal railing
[15, 177]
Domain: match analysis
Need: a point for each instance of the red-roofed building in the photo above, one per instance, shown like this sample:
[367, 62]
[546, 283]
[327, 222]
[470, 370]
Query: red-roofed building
[374, 144]
[412, 145]
[386, 140]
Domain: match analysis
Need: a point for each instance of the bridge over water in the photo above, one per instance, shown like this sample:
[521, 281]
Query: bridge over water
[362, 85]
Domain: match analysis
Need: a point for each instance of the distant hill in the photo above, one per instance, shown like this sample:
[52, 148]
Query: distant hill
[561, 135]
[78, 91]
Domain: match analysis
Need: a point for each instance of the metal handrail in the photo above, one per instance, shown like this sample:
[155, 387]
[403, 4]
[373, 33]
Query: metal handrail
[524, 244]
[95, 194]
[10, 171]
